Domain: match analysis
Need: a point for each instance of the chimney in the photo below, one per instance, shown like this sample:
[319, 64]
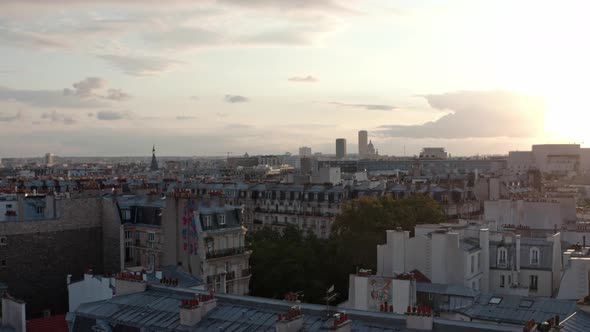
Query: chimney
[484, 244]
[191, 312]
[208, 302]
[13, 313]
[340, 323]
[517, 254]
[292, 321]
[129, 283]
[419, 318]
[223, 283]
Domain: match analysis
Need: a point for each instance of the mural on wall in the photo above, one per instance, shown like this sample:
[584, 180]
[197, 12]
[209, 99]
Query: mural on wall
[379, 292]
[189, 228]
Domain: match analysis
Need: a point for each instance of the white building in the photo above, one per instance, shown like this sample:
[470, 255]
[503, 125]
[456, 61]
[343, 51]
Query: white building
[556, 159]
[466, 256]
[540, 213]
[331, 175]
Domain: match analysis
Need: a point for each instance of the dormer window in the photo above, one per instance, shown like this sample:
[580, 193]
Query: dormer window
[221, 219]
[535, 256]
[502, 256]
[126, 214]
[207, 222]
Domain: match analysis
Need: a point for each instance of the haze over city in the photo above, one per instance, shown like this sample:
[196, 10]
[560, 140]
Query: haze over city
[111, 78]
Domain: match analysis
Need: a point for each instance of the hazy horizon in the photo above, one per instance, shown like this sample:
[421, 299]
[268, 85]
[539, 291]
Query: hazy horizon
[108, 78]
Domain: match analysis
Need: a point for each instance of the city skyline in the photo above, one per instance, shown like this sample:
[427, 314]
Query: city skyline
[112, 78]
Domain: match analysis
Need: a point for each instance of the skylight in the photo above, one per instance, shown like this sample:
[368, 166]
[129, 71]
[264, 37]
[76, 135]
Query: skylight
[526, 304]
[495, 300]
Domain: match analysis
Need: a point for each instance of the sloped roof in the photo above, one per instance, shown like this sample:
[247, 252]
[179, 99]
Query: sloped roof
[578, 322]
[512, 311]
[158, 309]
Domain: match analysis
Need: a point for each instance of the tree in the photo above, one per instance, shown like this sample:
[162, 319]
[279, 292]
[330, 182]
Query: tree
[363, 225]
[292, 261]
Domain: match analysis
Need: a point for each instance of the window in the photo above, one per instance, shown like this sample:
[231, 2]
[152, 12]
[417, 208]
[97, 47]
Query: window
[209, 246]
[207, 220]
[151, 261]
[502, 254]
[478, 261]
[533, 282]
[473, 285]
[502, 278]
[3, 263]
[128, 235]
[126, 214]
[534, 256]
[472, 264]
[40, 209]
[526, 304]
[226, 266]
[3, 241]
[495, 300]
[9, 206]
[221, 219]
[509, 280]
[151, 239]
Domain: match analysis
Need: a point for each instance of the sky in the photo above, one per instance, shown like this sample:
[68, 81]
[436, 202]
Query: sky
[113, 78]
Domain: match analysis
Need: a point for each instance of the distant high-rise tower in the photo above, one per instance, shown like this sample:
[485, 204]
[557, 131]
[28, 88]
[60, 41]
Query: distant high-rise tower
[49, 159]
[304, 151]
[340, 148]
[363, 137]
[154, 165]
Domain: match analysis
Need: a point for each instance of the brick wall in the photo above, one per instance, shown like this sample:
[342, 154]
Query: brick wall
[40, 254]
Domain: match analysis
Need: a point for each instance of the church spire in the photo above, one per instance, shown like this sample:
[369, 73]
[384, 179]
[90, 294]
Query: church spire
[154, 164]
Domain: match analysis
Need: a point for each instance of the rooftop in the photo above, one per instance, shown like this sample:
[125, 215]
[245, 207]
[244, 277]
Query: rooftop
[158, 308]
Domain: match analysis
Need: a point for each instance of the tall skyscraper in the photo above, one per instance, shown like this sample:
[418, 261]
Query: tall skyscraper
[363, 138]
[340, 148]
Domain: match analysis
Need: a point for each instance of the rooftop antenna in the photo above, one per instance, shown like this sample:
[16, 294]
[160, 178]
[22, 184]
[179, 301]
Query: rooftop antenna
[330, 296]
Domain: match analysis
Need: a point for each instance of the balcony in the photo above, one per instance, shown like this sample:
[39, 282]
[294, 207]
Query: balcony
[225, 252]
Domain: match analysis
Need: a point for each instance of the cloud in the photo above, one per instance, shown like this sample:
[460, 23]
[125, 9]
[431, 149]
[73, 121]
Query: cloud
[30, 40]
[113, 115]
[297, 35]
[10, 118]
[182, 38]
[371, 107]
[83, 94]
[48, 98]
[328, 6]
[56, 117]
[222, 115]
[185, 117]
[194, 98]
[86, 87]
[477, 114]
[140, 65]
[306, 79]
[235, 99]
[237, 126]
[117, 95]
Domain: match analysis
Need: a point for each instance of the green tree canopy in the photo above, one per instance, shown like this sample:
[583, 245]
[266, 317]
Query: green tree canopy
[292, 261]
